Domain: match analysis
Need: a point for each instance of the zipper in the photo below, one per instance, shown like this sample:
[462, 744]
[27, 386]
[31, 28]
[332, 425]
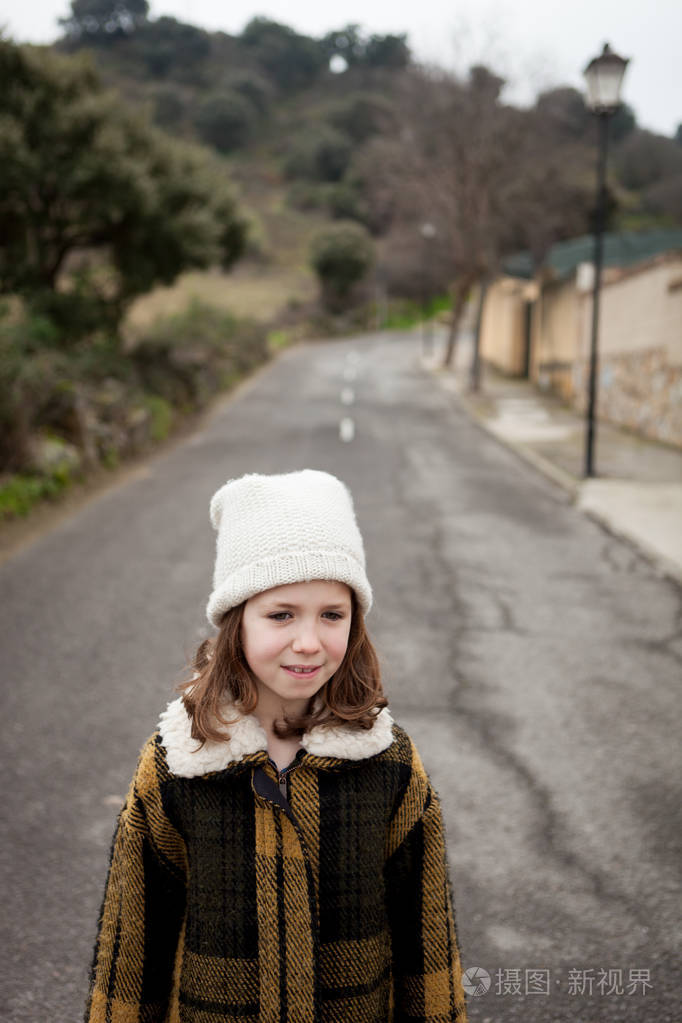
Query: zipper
[282, 777]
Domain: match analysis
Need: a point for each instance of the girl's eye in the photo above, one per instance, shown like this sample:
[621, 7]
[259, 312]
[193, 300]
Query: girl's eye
[334, 616]
[280, 616]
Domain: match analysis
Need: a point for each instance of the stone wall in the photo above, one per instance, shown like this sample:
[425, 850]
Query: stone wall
[639, 390]
[640, 349]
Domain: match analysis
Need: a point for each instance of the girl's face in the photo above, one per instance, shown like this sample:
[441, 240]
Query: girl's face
[295, 636]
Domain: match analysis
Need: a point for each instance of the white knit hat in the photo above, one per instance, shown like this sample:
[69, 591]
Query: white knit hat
[282, 529]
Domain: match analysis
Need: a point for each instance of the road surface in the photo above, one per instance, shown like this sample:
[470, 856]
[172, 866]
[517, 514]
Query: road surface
[534, 659]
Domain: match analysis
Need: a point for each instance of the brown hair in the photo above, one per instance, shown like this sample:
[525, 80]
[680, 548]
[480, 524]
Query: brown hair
[353, 695]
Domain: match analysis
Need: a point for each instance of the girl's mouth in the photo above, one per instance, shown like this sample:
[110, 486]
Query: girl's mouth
[301, 670]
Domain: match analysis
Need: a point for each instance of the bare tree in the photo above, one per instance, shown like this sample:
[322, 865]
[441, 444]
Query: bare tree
[481, 172]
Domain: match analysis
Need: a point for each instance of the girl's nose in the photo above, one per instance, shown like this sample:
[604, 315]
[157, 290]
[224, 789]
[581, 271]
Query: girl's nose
[306, 641]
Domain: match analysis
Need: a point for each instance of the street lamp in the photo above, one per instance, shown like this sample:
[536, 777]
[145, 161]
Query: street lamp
[604, 76]
[428, 233]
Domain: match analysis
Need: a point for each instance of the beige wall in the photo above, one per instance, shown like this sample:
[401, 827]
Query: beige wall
[640, 351]
[555, 337]
[502, 325]
[640, 342]
[641, 310]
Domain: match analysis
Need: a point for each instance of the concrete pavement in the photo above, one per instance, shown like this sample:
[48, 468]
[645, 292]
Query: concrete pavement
[637, 493]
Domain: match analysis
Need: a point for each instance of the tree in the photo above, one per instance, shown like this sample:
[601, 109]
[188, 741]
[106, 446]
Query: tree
[173, 49]
[102, 20]
[565, 113]
[645, 158]
[347, 42]
[362, 115]
[254, 87]
[169, 106]
[83, 180]
[224, 120]
[387, 51]
[291, 60]
[481, 172]
[341, 255]
[319, 153]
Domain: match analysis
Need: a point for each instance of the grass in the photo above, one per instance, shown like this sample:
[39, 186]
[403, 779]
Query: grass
[21, 491]
[251, 291]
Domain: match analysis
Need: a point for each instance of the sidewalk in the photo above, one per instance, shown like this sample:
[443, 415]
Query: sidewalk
[638, 490]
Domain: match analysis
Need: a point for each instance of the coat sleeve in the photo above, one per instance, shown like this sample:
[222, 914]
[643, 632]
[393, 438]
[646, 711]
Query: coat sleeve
[143, 907]
[426, 963]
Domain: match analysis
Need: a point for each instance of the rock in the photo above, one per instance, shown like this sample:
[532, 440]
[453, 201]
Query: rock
[50, 455]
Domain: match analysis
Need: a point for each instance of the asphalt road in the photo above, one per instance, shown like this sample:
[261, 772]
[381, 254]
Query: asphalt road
[534, 659]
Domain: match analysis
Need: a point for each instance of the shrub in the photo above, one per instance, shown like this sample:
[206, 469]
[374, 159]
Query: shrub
[319, 153]
[18, 493]
[225, 120]
[256, 89]
[187, 357]
[361, 115]
[345, 202]
[341, 255]
[291, 60]
[169, 106]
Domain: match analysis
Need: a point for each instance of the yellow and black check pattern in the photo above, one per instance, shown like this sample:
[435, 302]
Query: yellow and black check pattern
[226, 904]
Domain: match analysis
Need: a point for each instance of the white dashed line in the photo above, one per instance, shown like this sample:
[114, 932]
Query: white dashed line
[346, 429]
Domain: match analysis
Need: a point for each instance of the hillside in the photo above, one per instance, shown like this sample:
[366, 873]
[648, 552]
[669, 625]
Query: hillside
[299, 140]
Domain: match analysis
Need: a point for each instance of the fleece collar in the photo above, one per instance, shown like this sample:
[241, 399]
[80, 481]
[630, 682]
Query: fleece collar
[247, 736]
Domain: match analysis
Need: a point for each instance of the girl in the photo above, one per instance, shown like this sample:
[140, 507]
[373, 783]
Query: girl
[280, 855]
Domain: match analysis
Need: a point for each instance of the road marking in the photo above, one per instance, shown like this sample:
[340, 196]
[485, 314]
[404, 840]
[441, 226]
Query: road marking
[347, 396]
[346, 429]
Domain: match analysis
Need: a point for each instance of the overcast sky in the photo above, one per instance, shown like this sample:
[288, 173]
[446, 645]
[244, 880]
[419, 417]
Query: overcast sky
[534, 43]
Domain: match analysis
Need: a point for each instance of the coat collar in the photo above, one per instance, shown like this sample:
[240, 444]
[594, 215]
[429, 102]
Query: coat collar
[247, 737]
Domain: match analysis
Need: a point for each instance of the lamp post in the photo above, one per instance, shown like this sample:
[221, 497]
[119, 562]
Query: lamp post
[604, 76]
[428, 233]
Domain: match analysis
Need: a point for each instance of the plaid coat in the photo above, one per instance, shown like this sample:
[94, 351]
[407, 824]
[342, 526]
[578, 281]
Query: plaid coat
[236, 895]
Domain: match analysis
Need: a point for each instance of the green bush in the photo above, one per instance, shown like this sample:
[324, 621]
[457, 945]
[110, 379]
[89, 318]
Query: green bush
[256, 89]
[341, 255]
[171, 48]
[291, 60]
[225, 120]
[169, 106]
[65, 410]
[307, 195]
[21, 491]
[319, 153]
[30, 367]
[346, 202]
[161, 413]
[361, 115]
[187, 357]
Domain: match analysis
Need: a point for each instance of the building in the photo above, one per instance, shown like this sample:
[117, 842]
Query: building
[537, 323]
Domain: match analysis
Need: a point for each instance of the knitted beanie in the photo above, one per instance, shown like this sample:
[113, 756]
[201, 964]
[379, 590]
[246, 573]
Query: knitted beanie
[288, 528]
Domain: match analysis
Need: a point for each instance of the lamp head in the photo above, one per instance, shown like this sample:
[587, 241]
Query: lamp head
[604, 77]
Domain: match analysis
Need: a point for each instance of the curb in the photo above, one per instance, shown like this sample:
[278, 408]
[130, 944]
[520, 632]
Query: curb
[553, 472]
[663, 566]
